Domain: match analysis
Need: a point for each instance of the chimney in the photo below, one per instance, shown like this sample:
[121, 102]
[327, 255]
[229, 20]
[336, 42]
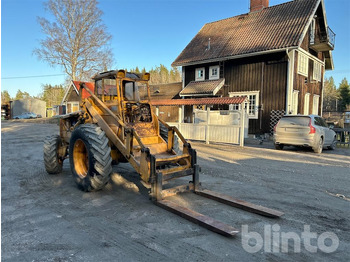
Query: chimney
[257, 5]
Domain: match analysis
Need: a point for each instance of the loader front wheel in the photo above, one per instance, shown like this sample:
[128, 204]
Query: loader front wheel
[90, 157]
[53, 163]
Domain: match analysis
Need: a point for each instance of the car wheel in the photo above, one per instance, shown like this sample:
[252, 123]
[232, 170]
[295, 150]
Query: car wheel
[279, 146]
[318, 148]
[333, 145]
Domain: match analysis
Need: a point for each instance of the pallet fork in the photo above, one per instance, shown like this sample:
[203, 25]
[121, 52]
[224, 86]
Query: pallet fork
[158, 196]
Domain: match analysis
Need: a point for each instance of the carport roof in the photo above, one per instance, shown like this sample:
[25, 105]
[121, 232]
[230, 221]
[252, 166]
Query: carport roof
[201, 101]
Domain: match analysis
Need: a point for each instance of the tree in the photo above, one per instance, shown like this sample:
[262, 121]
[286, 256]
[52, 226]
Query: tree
[344, 93]
[330, 95]
[5, 97]
[19, 95]
[22, 95]
[161, 74]
[76, 39]
[52, 95]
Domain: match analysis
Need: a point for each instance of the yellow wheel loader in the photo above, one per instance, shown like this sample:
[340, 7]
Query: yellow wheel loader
[116, 124]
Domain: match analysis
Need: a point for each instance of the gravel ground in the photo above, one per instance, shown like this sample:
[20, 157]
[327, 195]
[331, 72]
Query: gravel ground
[46, 218]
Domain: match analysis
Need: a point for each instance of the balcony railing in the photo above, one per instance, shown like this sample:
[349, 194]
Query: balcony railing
[322, 40]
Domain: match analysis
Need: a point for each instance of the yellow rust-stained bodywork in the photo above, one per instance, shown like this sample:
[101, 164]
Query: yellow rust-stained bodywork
[130, 125]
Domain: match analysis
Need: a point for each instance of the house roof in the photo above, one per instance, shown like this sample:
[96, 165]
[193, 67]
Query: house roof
[75, 85]
[273, 28]
[165, 91]
[198, 88]
[200, 101]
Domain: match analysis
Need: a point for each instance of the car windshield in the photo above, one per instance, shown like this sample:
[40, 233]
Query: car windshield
[294, 120]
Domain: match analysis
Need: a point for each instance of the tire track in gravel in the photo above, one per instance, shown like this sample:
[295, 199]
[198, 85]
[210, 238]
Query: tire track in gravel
[71, 203]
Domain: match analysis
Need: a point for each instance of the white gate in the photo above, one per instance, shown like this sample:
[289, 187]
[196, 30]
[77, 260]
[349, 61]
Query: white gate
[216, 126]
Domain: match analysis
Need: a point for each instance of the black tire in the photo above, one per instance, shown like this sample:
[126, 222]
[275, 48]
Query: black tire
[90, 157]
[53, 164]
[319, 147]
[163, 131]
[279, 146]
[333, 145]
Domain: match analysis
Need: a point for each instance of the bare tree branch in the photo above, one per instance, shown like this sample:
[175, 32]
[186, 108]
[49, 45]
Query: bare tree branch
[76, 39]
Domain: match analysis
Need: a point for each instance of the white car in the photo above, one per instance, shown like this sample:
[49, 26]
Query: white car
[304, 130]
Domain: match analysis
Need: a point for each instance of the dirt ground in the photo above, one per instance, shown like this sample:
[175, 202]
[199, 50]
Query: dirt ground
[46, 218]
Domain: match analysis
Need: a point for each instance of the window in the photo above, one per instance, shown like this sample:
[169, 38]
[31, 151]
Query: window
[303, 64]
[72, 107]
[312, 31]
[200, 74]
[317, 71]
[315, 104]
[295, 102]
[214, 72]
[319, 121]
[307, 104]
[252, 105]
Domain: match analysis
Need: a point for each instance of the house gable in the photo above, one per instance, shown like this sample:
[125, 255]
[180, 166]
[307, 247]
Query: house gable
[250, 34]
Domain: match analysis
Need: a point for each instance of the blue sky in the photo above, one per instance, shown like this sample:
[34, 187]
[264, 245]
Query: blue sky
[145, 34]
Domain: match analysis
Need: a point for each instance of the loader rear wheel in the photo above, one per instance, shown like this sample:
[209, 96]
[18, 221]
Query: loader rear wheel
[53, 163]
[163, 131]
[90, 157]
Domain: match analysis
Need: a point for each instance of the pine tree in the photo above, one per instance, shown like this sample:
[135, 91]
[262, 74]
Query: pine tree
[344, 93]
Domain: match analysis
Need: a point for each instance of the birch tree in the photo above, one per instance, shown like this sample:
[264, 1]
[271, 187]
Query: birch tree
[76, 38]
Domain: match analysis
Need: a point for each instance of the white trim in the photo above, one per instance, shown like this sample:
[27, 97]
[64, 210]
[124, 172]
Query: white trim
[197, 78]
[214, 77]
[290, 81]
[295, 102]
[315, 108]
[247, 94]
[310, 55]
[68, 91]
[312, 32]
[307, 104]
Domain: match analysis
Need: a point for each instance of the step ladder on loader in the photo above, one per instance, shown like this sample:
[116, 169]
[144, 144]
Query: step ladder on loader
[116, 123]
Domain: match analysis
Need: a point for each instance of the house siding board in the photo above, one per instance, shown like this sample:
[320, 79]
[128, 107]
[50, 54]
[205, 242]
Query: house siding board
[247, 75]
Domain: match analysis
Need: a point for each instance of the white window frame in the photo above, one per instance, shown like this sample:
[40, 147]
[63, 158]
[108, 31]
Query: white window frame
[312, 31]
[307, 104]
[295, 102]
[198, 78]
[211, 76]
[315, 104]
[317, 73]
[252, 110]
[303, 64]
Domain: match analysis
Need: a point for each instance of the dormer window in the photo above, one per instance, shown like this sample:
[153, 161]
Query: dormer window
[200, 74]
[214, 72]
